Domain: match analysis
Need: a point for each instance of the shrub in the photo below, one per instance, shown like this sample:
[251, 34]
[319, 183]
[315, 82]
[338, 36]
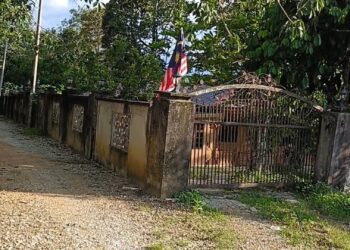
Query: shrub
[193, 199]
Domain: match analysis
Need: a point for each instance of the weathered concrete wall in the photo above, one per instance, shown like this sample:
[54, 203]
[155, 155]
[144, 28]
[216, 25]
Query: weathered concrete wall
[71, 137]
[325, 146]
[333, 162]
[159, 145]
[103, 152]
[53, 127]
[15, 106]
[169, 149]
[133, 162]
[137, 154]
[340, 166]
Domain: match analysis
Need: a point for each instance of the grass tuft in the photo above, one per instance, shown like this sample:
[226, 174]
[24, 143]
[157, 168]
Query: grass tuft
[205, 224]
[192, 199]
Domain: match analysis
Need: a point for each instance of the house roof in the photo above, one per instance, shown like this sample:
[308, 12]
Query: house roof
[210, 97]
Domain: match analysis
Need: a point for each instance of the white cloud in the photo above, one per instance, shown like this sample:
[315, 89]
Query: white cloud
[58, 4]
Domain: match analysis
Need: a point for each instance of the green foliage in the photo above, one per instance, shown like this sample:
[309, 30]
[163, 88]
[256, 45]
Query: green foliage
[193, 199]
[327, 200]
[276, 209]
[14, 20]
[303, 44]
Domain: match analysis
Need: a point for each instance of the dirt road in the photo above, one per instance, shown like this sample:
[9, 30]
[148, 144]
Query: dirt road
[51, 198]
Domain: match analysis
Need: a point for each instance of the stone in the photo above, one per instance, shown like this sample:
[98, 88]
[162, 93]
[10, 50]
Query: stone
[276, 228]
[253, 209]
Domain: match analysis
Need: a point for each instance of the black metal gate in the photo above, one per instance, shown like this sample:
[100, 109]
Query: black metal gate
[253, 133]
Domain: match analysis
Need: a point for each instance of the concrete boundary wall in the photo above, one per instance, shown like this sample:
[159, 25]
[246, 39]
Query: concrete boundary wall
[132, 161]
[147, 142]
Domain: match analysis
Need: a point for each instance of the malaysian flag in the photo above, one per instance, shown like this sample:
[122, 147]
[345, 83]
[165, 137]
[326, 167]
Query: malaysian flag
[177, 67]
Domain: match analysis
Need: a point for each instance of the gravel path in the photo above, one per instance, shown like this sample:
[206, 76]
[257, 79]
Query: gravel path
[51, 198]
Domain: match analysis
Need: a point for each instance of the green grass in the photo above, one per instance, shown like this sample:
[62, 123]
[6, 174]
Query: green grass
[32, 132]
[204, 174]
[199, 224]
[307, 222]
[327, 201]
[192, 199]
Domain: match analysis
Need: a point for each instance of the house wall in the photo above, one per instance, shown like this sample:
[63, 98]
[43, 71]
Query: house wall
[214, 151]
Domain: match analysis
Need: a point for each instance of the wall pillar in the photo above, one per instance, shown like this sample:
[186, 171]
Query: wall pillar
[169, 144]
[333, 158]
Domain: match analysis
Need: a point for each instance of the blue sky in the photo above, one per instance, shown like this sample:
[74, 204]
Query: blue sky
[55, 11]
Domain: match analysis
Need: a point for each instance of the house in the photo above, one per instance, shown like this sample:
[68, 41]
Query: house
[238, 132]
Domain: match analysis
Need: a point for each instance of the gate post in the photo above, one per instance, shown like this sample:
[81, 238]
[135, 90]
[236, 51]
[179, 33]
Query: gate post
[333, 157]
[169, 144]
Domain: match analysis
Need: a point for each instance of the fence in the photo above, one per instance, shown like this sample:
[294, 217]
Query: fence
[253, 134]
[226, 136]
[127, 136]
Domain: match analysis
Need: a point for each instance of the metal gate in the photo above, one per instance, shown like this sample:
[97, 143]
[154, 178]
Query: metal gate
[253, 132]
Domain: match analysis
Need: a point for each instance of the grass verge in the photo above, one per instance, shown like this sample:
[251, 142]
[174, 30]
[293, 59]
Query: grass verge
[317, 221]
[195, 227]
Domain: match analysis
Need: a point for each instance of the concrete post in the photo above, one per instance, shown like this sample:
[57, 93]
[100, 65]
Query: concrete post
[169, 144]
[333, 158]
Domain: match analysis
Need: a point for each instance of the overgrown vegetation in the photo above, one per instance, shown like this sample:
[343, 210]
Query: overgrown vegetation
[319, 219]
[124, 45]
[192, 199]
[327, 200]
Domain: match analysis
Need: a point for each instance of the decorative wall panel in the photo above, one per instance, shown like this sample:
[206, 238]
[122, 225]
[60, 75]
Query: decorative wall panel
[55, 116]
[120, 131]
[78, 118]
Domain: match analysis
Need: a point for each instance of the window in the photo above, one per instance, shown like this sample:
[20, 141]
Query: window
[198, 135]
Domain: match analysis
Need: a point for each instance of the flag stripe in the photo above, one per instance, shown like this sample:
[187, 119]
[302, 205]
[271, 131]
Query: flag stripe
[177, 67]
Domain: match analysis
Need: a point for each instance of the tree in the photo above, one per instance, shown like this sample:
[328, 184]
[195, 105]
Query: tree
[304, 44]
[14, 19]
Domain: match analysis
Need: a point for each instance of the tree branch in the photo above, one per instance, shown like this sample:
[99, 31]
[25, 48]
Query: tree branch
[284, 11]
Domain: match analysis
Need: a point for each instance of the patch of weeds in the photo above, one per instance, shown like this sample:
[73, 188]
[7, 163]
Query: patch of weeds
[208, 226]
[144, 207]
[157, 246]
[328, 201]
[182, 243]
[195, 200]
[192, 199]
[340, 237]
[32, 132]
[211, 228]
[223, 239]
[301, 224]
